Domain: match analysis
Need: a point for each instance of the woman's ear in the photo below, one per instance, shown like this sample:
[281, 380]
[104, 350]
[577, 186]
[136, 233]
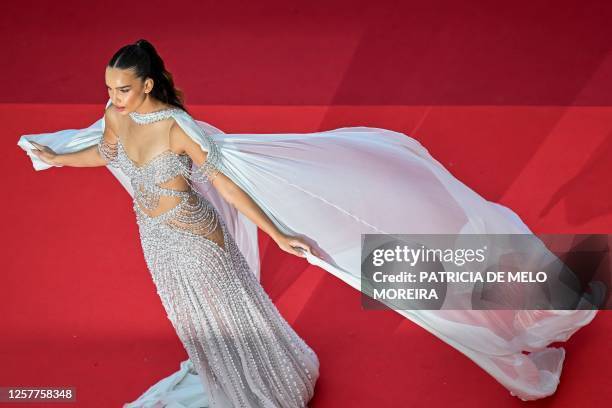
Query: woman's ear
[148, 86]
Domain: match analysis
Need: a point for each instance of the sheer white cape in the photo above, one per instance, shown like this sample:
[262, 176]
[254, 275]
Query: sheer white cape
[329, 187]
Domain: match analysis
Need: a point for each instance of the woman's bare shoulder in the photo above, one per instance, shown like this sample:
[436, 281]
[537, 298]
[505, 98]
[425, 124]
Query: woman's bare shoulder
[112, 117]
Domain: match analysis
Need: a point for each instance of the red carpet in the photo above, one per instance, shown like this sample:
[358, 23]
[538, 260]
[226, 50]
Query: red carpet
[85, 317]
[513, 99]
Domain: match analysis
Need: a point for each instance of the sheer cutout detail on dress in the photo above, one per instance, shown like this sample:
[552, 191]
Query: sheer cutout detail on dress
[199, 217]
[191, 213]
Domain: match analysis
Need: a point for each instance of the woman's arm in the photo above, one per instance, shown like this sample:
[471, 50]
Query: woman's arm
[180, 142]
[88, 157]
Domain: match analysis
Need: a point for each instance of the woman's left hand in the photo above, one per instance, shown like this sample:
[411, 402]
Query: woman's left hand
[294, 245]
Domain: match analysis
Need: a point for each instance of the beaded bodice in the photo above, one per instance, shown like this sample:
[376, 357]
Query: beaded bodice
[157, 170]
[193, 212]
[146, 178]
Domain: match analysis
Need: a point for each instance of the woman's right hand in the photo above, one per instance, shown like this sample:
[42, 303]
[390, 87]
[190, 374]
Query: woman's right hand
[45, 153]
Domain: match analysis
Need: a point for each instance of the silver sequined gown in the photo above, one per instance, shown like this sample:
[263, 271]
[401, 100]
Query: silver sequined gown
[245, 353]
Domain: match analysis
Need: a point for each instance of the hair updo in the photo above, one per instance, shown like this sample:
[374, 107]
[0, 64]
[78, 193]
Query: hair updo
[144, 60]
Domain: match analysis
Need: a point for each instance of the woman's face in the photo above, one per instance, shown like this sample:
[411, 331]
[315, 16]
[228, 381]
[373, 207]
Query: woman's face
[126, 91]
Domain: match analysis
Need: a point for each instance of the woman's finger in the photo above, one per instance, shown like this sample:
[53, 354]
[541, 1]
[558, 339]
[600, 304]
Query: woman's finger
[295, 249]
[307, 247]
[302, 246]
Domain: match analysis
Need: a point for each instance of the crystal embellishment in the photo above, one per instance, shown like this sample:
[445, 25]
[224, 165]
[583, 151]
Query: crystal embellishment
[239, 344]
[150, 117]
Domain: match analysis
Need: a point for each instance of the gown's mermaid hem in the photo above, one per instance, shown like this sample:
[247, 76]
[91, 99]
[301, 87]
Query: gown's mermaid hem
[330, 187]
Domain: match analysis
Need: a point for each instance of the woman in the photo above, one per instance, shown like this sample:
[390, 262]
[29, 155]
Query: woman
[327, 187]
[240, 345]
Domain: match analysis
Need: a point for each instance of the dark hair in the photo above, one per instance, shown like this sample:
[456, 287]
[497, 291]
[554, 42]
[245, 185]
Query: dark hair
[144, 60]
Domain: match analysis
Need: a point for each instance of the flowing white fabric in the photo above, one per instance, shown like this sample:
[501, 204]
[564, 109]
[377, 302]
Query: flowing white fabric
[330, 187]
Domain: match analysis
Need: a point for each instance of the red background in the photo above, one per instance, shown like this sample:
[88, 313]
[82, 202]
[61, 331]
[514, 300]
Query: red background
[513, 98]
